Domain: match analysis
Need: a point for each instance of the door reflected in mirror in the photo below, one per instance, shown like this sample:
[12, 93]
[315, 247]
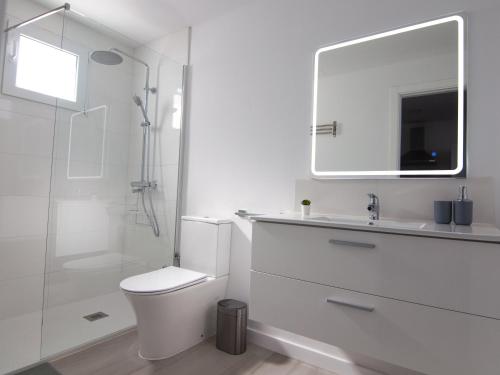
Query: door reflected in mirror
[391, 104]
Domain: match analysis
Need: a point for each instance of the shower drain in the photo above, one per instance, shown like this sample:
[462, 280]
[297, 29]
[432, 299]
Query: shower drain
[95, 316]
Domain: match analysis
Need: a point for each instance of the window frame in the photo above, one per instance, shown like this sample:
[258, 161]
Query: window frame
[10, 67]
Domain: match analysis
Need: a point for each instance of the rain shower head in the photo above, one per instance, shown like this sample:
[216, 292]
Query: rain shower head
[106, 57]
[114, 56]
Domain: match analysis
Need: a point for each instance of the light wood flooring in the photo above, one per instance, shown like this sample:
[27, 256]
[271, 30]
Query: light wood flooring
[118, 356]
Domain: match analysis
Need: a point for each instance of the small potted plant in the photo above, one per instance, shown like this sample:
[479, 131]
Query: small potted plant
[305, 206]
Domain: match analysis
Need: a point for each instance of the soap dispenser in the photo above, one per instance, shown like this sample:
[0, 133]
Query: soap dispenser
[462, 208]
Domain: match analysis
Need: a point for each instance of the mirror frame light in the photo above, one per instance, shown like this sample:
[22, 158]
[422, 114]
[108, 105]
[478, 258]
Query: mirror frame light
[461, 104]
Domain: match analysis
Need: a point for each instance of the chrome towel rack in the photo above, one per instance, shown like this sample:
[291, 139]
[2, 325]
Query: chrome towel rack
[328, 129]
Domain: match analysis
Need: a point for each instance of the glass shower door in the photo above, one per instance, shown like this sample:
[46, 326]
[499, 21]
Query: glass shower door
[70, 226]
[98, 232]
[26, 143]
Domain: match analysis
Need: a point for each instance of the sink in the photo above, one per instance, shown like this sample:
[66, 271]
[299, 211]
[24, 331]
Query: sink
[339, 219]
[364, 221]
[399, 224]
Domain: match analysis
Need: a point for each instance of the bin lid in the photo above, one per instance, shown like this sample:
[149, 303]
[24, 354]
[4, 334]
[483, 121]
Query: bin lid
[231, 306]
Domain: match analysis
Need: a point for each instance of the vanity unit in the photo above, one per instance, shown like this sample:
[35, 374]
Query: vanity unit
[417, 295]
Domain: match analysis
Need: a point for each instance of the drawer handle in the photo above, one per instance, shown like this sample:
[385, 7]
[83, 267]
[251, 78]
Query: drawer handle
[351, 304]
[353, 244]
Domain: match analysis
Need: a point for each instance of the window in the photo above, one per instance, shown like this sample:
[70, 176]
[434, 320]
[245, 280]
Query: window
[39, 69]
[46, 69]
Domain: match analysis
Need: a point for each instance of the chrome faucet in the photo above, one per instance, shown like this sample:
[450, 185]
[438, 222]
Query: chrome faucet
[373, 207]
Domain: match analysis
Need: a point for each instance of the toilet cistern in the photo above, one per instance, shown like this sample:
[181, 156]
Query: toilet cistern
[373, 207]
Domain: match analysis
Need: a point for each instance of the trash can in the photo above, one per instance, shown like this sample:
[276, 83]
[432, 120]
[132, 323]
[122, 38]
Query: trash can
[232, 318]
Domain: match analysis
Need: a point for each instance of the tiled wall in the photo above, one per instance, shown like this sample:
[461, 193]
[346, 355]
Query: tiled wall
[96, 237]
[87, 215]
[27, 132]
[166, 57]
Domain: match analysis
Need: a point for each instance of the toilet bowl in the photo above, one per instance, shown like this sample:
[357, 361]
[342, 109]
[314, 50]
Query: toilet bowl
[176, 307]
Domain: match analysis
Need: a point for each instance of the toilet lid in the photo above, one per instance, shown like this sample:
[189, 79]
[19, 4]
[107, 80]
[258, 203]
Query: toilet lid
[164, 280]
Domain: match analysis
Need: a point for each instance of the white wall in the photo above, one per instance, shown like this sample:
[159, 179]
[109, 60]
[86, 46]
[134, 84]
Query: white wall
[251, 101]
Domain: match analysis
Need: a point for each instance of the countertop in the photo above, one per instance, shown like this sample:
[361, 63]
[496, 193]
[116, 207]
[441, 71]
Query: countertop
[475, 232]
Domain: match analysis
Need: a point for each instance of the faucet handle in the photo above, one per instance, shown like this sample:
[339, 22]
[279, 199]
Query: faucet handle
[373, 207]
[374, 202]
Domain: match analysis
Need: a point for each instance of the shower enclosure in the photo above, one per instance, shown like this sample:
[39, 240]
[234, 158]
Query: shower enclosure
[90, 144]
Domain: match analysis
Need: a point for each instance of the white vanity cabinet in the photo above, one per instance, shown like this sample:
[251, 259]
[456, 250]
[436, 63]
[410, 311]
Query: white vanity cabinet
[428, 304]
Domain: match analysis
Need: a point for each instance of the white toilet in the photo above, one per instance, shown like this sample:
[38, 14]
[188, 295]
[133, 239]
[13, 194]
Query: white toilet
[176, 307]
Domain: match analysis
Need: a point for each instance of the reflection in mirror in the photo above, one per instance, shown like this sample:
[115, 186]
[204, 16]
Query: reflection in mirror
[391, 104]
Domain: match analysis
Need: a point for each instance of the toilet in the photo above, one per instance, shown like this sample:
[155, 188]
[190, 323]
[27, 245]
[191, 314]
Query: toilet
[176, 307]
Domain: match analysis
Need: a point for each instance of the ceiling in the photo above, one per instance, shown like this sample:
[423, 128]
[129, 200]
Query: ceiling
[143, 21]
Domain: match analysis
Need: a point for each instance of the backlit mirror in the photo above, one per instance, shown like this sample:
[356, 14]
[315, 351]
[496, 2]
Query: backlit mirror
[391, 104]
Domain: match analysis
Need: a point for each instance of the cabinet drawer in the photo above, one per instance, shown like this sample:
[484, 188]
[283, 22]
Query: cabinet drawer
[450, 274]
[425, 339]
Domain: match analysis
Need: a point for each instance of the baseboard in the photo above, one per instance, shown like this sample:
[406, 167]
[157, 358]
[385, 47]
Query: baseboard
[285, 344]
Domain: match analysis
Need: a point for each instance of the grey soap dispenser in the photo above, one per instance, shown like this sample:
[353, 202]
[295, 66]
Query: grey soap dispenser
[462, 208]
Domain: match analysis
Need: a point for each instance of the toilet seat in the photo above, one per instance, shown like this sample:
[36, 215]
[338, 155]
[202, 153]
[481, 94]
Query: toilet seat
[165, 280]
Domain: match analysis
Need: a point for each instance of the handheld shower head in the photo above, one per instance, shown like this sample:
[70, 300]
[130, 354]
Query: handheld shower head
[138, 102]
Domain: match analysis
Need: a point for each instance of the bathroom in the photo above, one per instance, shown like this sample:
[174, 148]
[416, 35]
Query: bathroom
[231, 104]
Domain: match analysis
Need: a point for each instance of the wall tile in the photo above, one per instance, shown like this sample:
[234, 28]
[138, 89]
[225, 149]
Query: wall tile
[28, 135]
[21, 257]
[67, 286]
[22, 216]
[113, 184]
[21, 296]
[151, 251]
[20, 341]
[167, 147]
[26, 107]
[24, 175]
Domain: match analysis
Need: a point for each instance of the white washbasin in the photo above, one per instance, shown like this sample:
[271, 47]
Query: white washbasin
[365, 222]
[339, 219]
[399, 224]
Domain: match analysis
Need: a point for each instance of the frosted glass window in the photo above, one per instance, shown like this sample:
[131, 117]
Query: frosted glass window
[46, 69]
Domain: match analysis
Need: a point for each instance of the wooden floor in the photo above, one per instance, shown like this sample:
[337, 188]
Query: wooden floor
[119, 357]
